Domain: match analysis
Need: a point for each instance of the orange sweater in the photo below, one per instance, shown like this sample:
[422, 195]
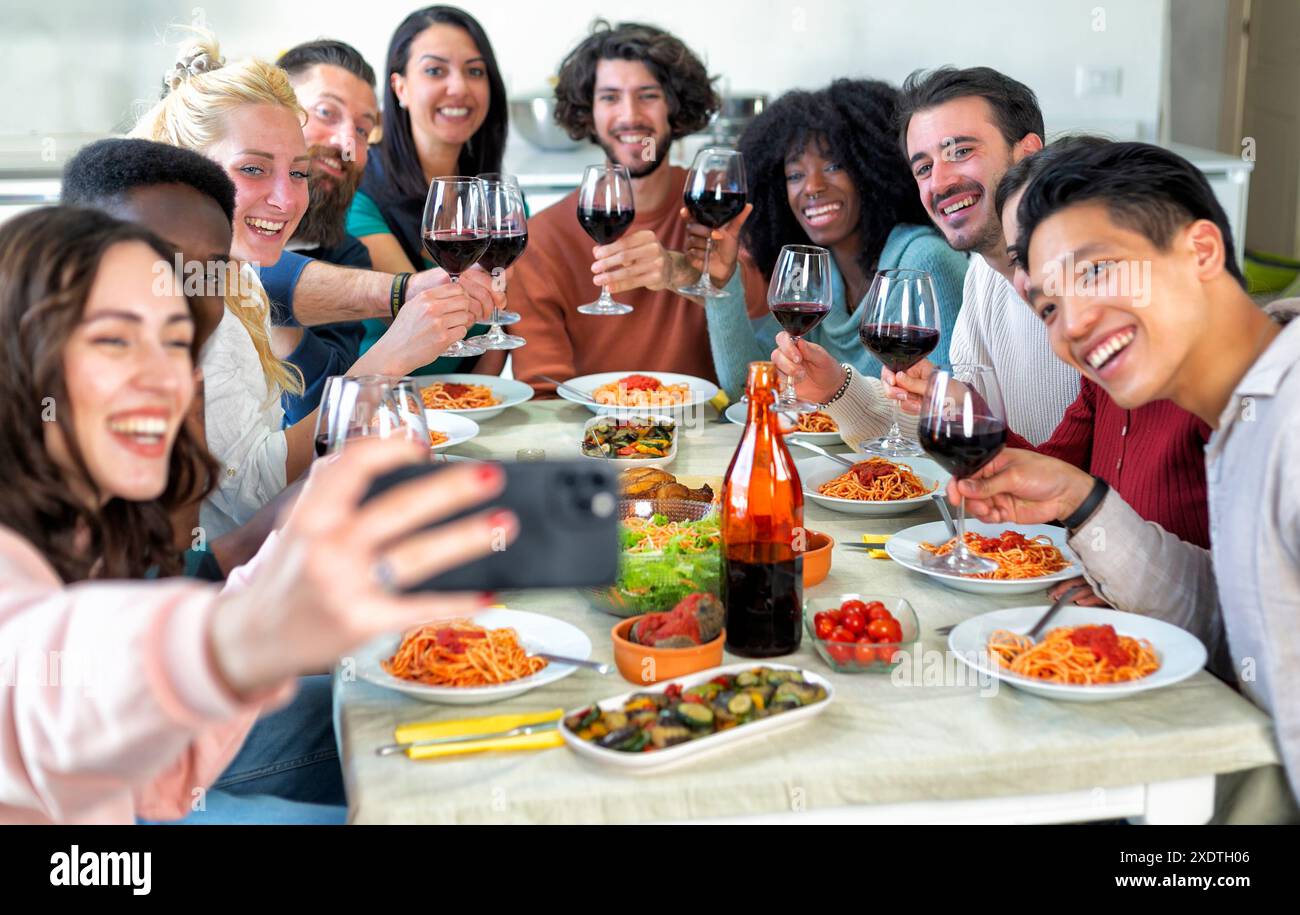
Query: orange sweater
[665, 333]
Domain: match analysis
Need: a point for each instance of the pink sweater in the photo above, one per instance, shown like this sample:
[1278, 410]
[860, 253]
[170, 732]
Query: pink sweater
[109, 706]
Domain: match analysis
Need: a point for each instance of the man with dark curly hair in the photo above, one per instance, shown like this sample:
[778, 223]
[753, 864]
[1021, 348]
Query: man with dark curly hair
[632, 89]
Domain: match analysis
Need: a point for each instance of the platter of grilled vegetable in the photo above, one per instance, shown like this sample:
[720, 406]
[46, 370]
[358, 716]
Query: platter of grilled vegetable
[643, 441]
[678, 721]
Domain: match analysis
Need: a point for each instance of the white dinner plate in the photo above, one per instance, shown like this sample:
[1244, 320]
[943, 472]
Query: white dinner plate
[738, 412]
[693, 750]
[905, 549]
[816, 471]
[510, 392]
[701, 391]
[536, 632]
[458, 429]
[1181, 654]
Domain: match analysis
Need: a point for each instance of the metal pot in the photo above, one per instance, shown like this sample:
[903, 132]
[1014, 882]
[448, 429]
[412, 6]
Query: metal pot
[533, 117]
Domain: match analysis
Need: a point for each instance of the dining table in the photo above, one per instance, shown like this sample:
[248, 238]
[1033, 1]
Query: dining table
[927, 743]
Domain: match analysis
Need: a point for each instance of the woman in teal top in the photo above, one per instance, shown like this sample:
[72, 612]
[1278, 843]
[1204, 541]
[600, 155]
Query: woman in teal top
[824, 168]
[444, 114]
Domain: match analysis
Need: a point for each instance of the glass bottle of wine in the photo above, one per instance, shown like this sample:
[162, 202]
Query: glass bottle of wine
[762, 519]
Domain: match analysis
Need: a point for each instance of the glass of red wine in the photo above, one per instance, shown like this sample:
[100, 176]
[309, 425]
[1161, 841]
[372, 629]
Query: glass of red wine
[504, 316]
[455, 234]
[508, 231]
[377, 406]
[799, 297]
[963, 425]
[714, 195]
[900, 327]
[326, 412]
[605, 211]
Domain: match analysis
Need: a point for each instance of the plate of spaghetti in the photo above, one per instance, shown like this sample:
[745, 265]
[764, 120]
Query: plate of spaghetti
[1030, 557]
[447, 430]
[1090, 654]
[478, 397]
[467, 662]
[816, 427]
[665, 392]
[872, 486]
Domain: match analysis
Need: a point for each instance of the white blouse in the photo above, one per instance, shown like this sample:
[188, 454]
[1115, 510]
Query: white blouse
[244, 425]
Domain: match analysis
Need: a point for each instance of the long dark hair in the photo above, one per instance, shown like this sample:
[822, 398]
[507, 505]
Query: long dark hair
[853, 122]
[397, 152]
[48, 262]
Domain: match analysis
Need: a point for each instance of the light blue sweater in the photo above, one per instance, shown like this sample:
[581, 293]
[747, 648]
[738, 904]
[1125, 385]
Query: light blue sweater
[737, 340]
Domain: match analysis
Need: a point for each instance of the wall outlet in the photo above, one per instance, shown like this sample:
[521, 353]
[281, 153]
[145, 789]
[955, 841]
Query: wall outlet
[1097, 82]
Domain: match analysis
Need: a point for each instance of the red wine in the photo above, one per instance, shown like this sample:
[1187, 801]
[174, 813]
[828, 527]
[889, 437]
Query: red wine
[899, 346]
[503, 250]
[764, 600]
[714, 208]
[322, 445]
[455, 252]
[799, 317]
[603, 226]
[958, 451]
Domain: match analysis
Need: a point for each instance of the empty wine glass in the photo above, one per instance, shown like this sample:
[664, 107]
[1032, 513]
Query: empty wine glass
[900, 327]
[455, 235]
[605, 211]
[963, 425]
[377, 406]
[799, 297]
[714, 195]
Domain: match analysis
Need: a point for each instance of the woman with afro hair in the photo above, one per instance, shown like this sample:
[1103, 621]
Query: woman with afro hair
[824, 168]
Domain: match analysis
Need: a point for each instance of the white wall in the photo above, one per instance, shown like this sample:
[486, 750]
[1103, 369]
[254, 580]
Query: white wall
[76, 65]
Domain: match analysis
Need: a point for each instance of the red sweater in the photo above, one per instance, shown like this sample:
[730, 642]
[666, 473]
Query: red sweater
[1154, 457]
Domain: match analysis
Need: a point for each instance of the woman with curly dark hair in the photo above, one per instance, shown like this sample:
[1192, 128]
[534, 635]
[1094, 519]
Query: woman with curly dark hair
[824, 169]
[158, 682]
[632, 89]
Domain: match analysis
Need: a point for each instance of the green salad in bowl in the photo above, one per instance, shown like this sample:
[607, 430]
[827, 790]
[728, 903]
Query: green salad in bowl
[671, 548]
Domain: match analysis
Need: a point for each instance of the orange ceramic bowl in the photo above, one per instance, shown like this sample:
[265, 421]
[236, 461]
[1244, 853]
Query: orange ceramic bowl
[641, 664]
[817, 558]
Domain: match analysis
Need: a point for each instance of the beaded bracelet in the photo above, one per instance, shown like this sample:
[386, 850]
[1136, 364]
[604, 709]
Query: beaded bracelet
[848, 377]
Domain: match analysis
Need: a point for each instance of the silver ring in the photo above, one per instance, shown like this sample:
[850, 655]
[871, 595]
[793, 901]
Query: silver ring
[382, 572]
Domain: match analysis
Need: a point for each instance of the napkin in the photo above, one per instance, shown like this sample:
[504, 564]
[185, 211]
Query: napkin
[493, 724]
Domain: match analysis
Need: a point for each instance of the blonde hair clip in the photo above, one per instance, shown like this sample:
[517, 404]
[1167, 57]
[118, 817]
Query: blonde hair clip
[193, 62]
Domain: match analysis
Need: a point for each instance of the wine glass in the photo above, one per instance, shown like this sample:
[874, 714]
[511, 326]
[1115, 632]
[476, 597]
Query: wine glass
[799, 296]
[505, 316]
[508, 231]
[377, 406]
[714, 195]
[900, 327]
[455, 234]
[326, 413]
[963, 425]
[605, 211]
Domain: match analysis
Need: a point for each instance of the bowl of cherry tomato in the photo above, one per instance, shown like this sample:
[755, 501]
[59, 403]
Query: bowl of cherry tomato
[860, 632]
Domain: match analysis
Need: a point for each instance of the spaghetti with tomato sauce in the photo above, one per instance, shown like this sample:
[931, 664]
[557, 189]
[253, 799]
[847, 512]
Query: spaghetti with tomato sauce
[1077, 655]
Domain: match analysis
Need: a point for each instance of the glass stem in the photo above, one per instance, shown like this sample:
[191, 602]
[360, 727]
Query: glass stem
[895, 433]
[704, 273]
[960, 549]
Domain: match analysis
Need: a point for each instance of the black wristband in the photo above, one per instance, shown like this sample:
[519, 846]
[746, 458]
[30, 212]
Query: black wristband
[397, 292]
[1079, 517]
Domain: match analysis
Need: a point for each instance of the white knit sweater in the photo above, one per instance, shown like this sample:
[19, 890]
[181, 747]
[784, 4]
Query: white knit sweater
[995, 328]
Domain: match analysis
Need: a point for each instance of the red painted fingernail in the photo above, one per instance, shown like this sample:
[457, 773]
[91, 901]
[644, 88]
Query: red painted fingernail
[487, 598]
[501, 518]
[489, 473]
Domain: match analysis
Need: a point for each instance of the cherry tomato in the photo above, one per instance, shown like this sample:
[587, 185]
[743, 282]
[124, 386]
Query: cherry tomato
[842, 635]
[841, 652]
[876, 611]
[886, 655]
[863, 653]
[854, 604]
[823, 615]
[854, 621]
[823, 626]
[885, 631]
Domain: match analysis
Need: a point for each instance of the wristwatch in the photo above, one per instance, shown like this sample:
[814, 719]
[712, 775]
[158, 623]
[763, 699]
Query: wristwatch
[1088, 507]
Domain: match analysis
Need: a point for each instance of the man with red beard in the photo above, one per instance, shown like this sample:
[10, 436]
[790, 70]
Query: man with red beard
[631, 89]
[336, 87]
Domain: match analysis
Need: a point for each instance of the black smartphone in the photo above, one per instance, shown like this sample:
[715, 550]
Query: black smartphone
[568, 527]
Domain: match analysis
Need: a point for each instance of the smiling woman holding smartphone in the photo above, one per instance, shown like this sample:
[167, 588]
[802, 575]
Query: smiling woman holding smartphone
[94, 399]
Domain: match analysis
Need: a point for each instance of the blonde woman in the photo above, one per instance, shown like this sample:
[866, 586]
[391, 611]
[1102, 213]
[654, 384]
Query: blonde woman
[245, 117]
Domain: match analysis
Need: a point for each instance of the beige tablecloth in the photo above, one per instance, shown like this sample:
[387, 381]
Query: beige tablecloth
[880, 742]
